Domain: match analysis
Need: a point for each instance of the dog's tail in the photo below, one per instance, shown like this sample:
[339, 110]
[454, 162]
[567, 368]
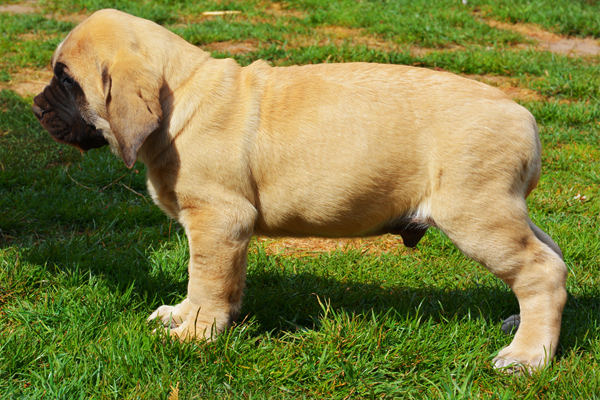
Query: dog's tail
[535, 171]
[545, 238]
[535, 166]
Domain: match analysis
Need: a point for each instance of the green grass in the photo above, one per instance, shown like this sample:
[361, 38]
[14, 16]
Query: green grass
[17, 44]
[85, 256]
[577, 17]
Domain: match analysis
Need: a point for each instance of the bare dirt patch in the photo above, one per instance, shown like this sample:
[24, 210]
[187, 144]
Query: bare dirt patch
[281, 10]
[26, 7]
[33, 37]
[549, 41]
[231, 47]
[508, 85]
[28, 82]
[301, 247]
[339, 36]
[76, 17]
[30, 7]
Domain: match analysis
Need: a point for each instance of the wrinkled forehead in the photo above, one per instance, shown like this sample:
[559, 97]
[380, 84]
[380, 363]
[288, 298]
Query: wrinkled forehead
[77, 45]
[97, 36]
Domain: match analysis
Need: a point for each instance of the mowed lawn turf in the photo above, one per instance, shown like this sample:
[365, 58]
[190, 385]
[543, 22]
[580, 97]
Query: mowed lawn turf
[85, 256]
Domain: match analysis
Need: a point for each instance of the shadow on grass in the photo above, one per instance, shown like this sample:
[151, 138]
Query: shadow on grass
[282, 301]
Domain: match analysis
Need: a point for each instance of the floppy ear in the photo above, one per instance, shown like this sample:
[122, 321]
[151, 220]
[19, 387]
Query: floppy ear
[132, 101]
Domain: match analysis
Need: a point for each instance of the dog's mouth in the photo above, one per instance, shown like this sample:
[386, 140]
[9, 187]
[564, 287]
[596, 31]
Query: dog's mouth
[57, 109]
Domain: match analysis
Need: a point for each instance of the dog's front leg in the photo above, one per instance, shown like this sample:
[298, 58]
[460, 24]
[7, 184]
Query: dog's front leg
[218, 239]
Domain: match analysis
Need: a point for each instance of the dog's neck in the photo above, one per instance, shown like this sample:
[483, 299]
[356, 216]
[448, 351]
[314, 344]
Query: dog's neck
[193, 83]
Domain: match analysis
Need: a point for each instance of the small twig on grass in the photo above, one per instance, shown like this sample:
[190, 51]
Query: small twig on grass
[110, 184]
[113, 182]
[77, 183]
[227, 12]
[4, 236]
[139, 194]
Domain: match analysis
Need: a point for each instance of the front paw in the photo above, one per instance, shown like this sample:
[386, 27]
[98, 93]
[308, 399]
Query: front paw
[189, 330]
[511, 360]
[172, 316]
[186, 322]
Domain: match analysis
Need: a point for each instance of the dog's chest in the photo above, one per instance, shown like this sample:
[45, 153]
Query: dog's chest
[161, 188]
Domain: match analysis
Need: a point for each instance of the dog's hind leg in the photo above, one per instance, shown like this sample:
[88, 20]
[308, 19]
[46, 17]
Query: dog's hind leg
[511, 324]
[497, 233]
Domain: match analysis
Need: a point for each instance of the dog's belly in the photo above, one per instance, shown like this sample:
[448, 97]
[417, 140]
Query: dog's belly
[337, 209]
[410, 226]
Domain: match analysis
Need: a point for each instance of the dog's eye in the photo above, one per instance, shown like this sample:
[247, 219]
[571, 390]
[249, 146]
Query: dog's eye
[66, 80]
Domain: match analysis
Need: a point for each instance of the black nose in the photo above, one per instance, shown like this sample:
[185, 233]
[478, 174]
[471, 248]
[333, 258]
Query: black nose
[39, 113]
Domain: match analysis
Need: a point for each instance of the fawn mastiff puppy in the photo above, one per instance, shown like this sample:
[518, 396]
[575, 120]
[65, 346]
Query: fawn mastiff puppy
[332, 150]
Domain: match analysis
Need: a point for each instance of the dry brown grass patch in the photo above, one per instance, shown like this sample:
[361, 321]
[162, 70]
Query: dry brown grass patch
[339, 36]
[75, 18]
[27, 81]
[281, 10]
[508, 85]
[302, 247]
[25, 7]
[31, 6]
[231, 47]
[33, 37]
[548, 41]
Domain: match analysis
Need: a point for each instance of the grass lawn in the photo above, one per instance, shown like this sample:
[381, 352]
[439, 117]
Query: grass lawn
[85, 256]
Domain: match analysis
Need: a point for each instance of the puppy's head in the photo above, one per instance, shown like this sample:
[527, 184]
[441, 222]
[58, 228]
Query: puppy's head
[105, 89]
